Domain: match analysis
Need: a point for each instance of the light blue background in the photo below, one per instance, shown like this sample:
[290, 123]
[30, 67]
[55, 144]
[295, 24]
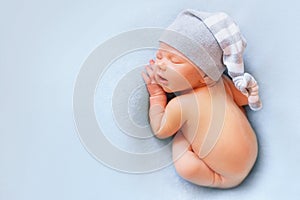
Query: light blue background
[42, 47]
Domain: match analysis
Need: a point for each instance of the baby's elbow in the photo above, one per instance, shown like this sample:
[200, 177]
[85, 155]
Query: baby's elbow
[161, 134]
[164, 131]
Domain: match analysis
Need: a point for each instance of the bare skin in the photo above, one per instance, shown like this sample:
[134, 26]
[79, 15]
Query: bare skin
[220, 158]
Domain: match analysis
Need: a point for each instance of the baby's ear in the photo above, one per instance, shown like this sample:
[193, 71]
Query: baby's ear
[204, 76]
[208, 81]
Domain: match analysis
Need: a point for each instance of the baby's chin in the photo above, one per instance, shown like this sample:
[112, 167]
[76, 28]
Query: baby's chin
[174, 90]
[167, 89]
[170, 90]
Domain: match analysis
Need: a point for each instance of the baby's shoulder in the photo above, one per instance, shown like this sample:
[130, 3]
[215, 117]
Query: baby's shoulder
[198, 95]
[193, 99]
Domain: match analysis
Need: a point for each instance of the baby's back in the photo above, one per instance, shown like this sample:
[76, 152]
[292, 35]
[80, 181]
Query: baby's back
[218, 129]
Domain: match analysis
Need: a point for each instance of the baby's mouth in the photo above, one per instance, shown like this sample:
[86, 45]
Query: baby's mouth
[161, 79]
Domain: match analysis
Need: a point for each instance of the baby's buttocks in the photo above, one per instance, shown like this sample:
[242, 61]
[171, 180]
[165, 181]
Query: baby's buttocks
[232, 148]
[235, 151]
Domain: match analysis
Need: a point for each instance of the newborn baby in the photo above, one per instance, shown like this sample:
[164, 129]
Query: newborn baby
[214, 145]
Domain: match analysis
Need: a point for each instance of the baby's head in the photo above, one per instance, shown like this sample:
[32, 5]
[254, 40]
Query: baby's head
[175, 72]
[210, 41]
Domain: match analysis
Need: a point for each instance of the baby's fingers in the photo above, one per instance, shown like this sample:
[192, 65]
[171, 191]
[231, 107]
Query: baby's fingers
[150, 71]
[152, 62]
[146, 78]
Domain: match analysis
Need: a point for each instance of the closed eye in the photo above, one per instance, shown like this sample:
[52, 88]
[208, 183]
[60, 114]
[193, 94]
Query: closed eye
[176, 60]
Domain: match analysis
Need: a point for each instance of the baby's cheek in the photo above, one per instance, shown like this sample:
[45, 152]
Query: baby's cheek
[183, 76]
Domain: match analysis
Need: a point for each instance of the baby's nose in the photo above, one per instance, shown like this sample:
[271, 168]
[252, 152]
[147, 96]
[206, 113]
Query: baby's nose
[161, 65]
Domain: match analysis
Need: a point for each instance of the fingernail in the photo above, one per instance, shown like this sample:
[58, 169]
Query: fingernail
[151, 61]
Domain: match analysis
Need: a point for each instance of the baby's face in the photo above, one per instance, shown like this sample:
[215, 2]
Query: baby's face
[174, 72]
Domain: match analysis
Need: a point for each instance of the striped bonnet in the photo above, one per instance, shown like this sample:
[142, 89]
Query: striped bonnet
[210, 40]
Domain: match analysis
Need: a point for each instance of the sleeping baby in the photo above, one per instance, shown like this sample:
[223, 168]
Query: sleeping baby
[214, 143]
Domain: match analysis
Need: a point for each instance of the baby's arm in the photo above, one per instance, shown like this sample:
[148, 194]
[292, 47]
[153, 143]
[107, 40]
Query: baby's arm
[165, 119]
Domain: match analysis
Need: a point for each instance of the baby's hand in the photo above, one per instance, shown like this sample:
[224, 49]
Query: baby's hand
[153, 88]
[149, 77]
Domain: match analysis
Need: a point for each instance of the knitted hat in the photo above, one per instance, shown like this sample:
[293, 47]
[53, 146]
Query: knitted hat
[209, 40]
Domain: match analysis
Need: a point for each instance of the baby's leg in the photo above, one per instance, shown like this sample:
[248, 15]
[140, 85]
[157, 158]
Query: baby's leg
[190, 167]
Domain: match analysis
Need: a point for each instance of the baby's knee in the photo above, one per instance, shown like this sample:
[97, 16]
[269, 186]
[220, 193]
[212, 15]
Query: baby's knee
[184, 170]
[204, 176]
[225, 182]
[197, 174]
